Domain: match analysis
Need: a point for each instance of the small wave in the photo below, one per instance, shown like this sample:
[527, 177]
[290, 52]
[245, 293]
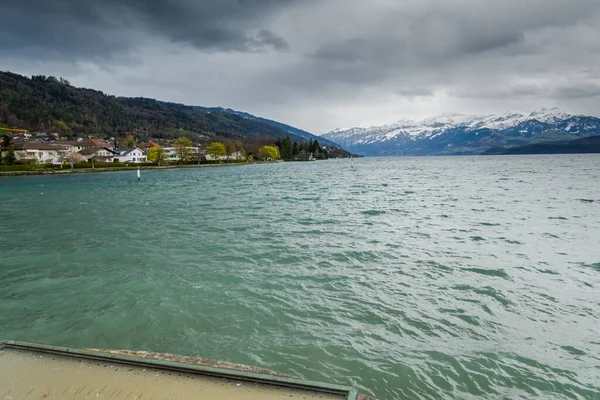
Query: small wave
[461, 314]
[548, 271]
[485, 291]
[500, 273]
[586, 200]
[574, 351]
[477, 239]
[549, 235]
[595, 266]
[512, 241]
[373, 212]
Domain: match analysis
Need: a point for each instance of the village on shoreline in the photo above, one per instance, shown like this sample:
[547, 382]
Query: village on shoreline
[23, 154]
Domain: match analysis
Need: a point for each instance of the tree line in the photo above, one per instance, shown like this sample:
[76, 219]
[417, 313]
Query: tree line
[292, 150]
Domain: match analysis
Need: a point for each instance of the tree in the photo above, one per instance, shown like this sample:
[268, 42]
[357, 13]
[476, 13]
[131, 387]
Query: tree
[302, 155]
[229, 147]
[74, 158]
[8, 148]
[61, 127]
[269, 152]
[216, 150]
[62, 154]
[183, 149]
[315, 146]
[128, 142]
[157, 154]
[286, 148]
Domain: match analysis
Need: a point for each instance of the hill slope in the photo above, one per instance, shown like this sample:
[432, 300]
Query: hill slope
[289, 129]
[583, 145]
[49, 104]
[465, 134]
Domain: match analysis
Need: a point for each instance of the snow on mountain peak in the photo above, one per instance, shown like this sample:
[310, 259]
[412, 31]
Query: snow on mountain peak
[466, 134]
[548, 115]
[432, 126]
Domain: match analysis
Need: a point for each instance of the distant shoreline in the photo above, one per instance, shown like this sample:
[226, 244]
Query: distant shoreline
[68, 171]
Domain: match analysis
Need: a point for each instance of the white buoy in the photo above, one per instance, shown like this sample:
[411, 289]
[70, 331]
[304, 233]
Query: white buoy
[138, 173]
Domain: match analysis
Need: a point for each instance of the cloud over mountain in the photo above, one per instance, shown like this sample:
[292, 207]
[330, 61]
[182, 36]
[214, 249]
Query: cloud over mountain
[318, 64]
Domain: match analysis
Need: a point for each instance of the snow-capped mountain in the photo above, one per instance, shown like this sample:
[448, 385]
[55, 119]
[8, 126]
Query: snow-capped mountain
[464, 134]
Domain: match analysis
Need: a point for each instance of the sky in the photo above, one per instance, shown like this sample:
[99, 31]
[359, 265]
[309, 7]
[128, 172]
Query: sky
[318, 64]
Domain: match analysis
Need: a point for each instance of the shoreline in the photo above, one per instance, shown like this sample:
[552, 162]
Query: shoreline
[69, 171]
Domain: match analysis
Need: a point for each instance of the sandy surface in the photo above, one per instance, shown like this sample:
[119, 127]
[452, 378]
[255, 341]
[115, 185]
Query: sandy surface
[201, 361]
[32, 375]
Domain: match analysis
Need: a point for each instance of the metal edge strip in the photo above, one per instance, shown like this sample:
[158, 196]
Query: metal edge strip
[349, 392]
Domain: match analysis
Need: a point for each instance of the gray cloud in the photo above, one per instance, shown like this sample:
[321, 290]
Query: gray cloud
[266, 38]
[318, 64]
[578, 91]
[92, 29]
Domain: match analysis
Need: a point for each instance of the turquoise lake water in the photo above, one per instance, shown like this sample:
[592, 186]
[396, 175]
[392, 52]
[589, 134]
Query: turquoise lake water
[416, 278]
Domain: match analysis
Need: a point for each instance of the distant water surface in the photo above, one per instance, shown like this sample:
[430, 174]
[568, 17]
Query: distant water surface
[410, 278]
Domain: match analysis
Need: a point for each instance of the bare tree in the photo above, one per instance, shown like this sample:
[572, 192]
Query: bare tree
[75, 158]
[64, 154]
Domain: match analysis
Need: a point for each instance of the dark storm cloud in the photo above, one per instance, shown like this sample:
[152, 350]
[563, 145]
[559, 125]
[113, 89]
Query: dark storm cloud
[327, 60]
[83, 29]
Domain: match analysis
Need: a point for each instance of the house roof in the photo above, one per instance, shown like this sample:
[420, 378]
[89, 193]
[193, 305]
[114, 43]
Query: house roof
[92, 150]
[69, 142]
[95, 143]
[149, 144]
[123, 151]
[37, 146]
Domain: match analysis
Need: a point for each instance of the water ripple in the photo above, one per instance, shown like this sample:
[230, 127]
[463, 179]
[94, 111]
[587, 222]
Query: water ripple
[412, 278]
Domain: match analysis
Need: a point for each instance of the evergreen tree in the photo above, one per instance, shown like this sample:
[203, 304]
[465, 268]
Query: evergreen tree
[315, 146]
[8, 150]
[286, 148]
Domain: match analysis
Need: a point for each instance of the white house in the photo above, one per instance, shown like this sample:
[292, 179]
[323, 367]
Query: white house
[43, 153]
[130, 155]
[103, 154]
[171, 153]
[71, 146]
[233, 156]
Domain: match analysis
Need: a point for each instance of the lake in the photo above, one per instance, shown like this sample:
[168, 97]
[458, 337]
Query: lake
[416, 278]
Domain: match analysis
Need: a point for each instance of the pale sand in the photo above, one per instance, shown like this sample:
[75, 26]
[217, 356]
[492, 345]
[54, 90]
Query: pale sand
[32, 375]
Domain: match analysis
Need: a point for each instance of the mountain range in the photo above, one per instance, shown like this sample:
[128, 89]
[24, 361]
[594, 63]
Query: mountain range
[455, 134]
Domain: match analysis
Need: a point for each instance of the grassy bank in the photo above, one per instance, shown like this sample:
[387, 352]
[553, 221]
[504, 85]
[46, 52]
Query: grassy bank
[50, 169]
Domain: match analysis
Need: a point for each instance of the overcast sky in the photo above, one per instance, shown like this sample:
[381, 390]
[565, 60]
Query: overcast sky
[318, 64]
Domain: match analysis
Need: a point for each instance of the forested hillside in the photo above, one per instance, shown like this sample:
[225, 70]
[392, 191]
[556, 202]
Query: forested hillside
[44, 103]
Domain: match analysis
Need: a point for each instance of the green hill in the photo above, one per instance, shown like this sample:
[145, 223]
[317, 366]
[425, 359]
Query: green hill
[42, 103]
